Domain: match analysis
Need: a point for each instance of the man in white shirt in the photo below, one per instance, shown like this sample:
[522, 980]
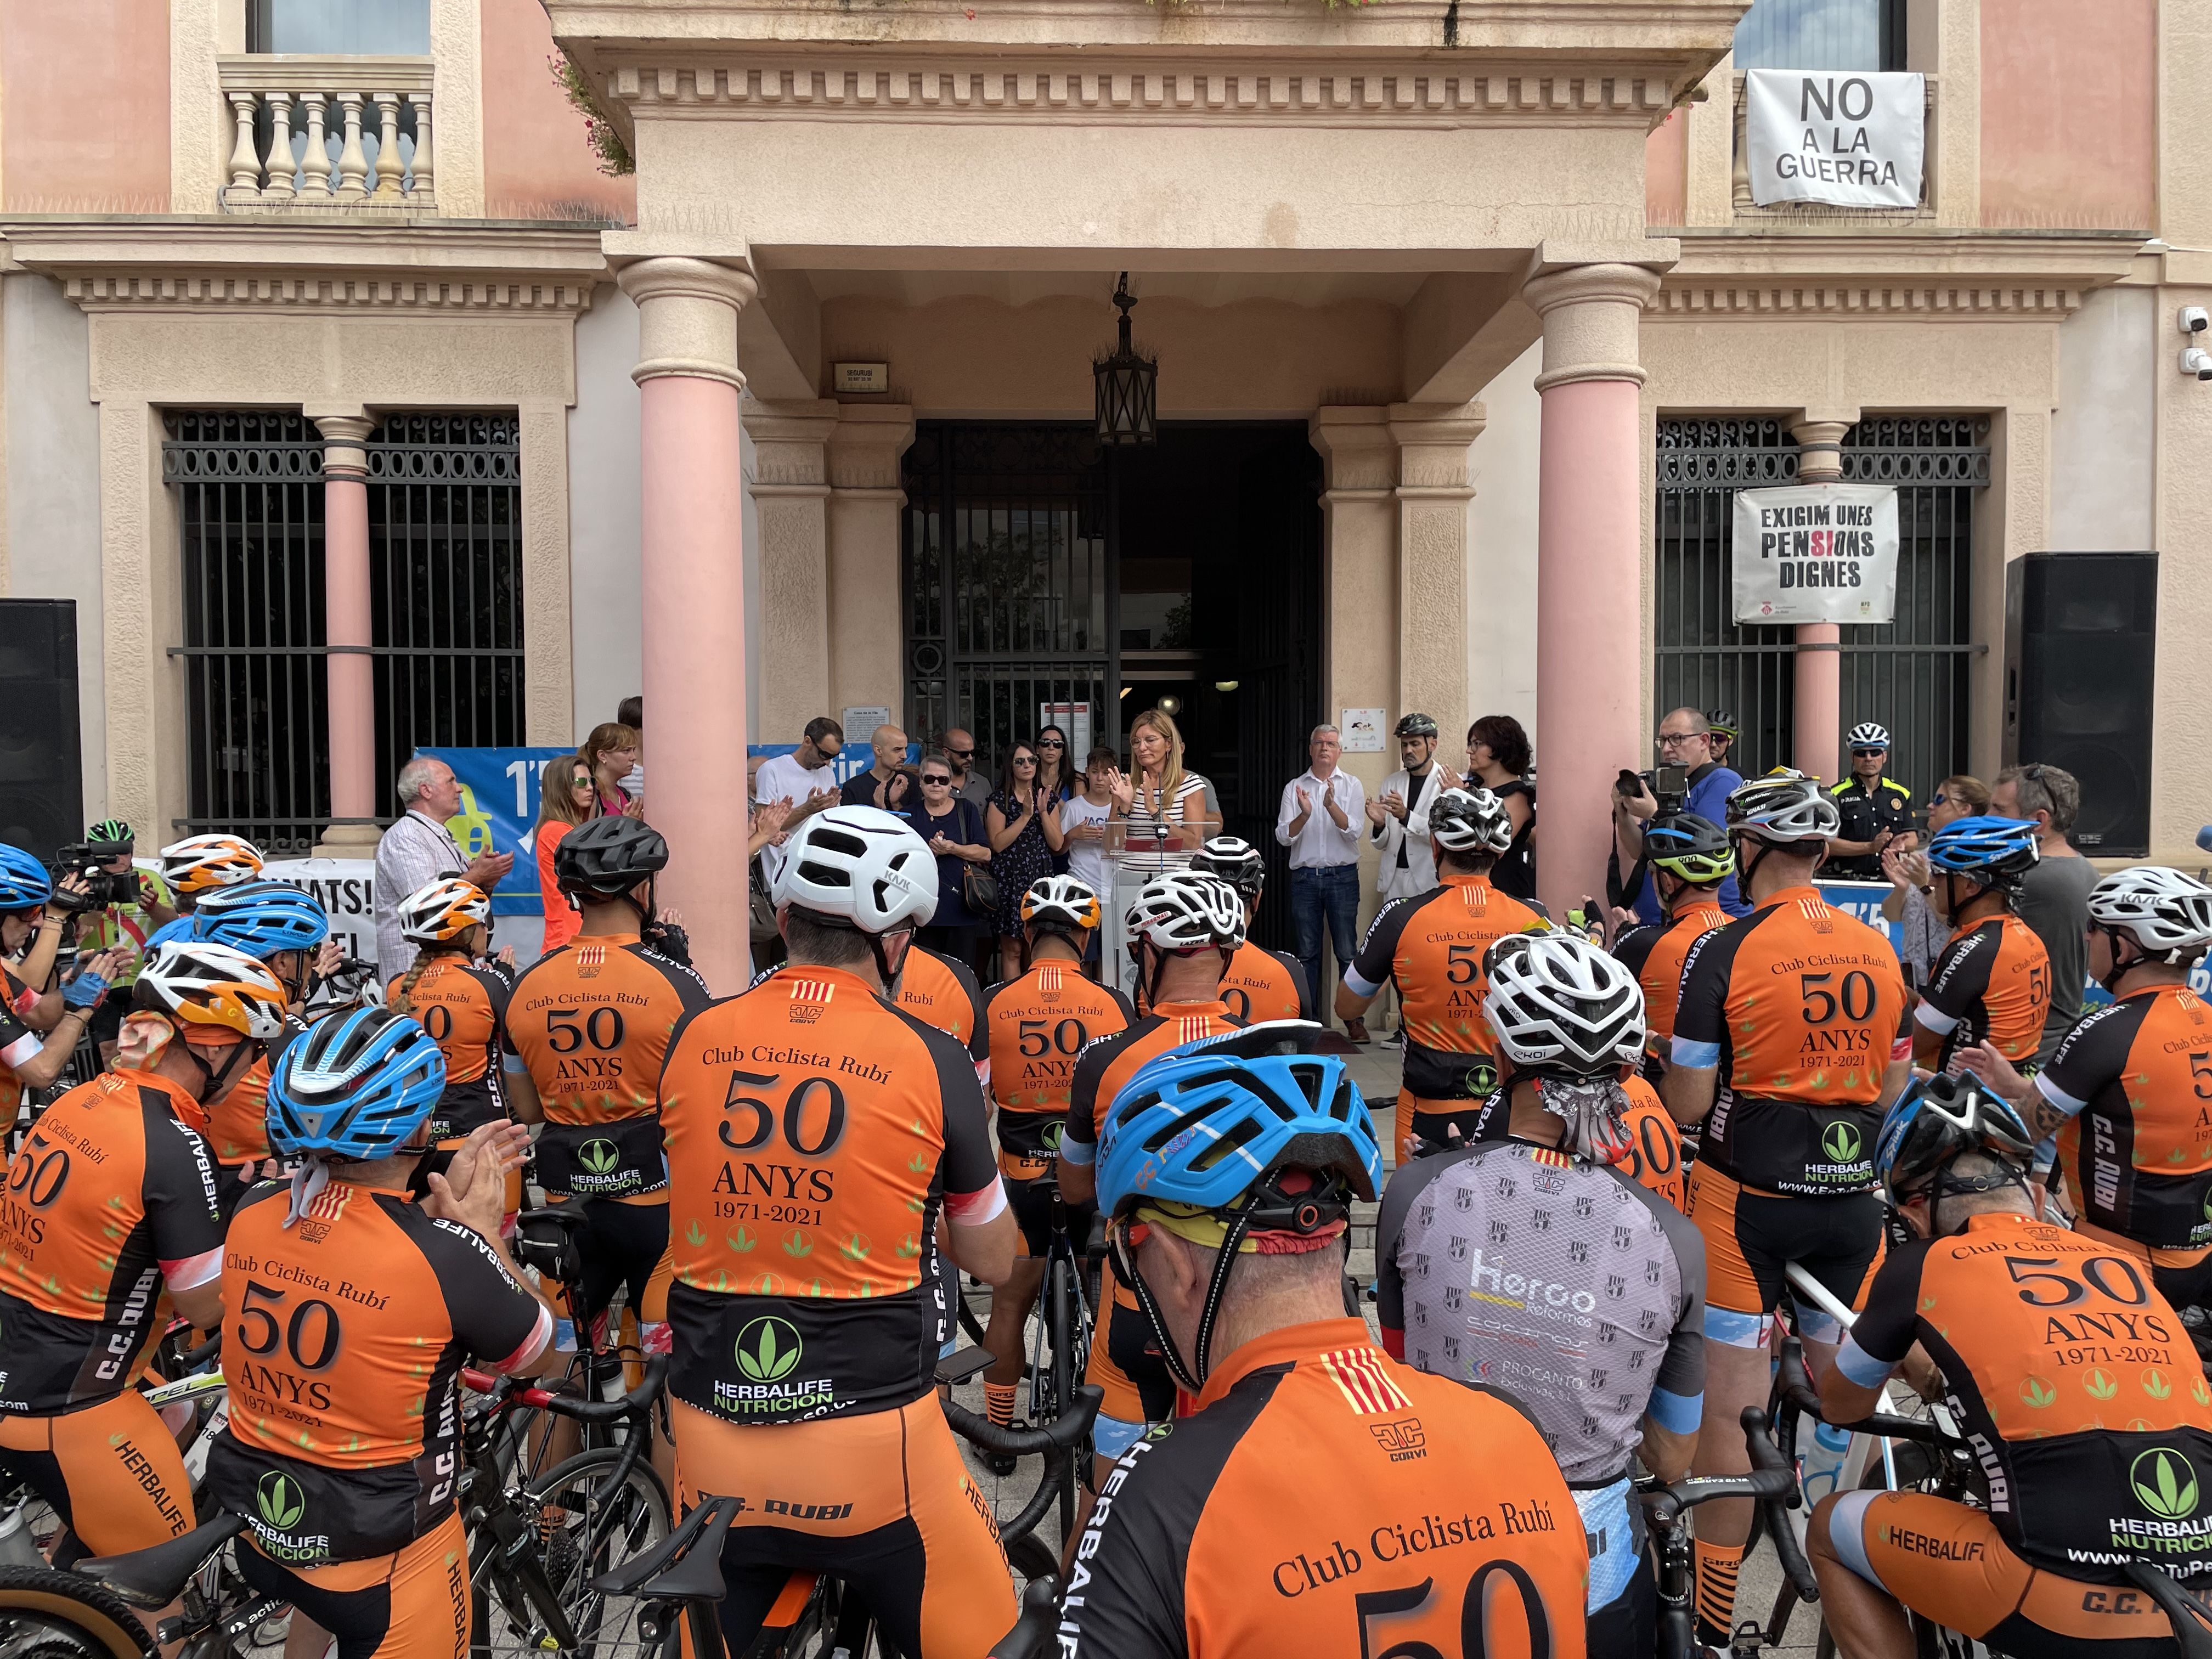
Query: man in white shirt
[798, 777]
[418, 849]
[1319, 822]
[1398, 819]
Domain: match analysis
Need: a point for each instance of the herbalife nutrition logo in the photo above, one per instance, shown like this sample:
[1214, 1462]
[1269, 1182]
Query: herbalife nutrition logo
[769, 1349]
[279, 1500]
[1841, 1144]
[2164, 1483]
[599, 1157]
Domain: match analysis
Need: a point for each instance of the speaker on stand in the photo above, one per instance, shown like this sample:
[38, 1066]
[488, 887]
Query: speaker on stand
[2081, 657]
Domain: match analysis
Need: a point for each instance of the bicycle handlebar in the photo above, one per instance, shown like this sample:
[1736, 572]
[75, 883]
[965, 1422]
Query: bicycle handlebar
[1039, 1622]
[192, 1358]
[578, 1409]
[1766, 1456]
[1060, 1435]
[2191, 1618]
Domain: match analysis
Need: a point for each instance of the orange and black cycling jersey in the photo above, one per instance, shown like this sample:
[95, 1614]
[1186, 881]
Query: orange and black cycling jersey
[941, 992]
[592, 1022]
[1327, 1499]
[1991, 984]
[2076, 1383]
[237, 1120]
[342, 1340]
[463, 1005]
[1104, 1068]
[1432, 945]
[814, 1132]
[1038, 1024]
[1796, 1005]
[1655, 954]
[109, 1198]
[1655, 1152]
[2135, 1078]
[1262, 985]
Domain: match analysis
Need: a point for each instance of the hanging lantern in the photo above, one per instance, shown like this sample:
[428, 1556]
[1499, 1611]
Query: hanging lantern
[1126, 386]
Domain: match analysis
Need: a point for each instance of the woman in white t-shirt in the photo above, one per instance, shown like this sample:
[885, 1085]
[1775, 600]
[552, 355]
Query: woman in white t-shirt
[1167, 814]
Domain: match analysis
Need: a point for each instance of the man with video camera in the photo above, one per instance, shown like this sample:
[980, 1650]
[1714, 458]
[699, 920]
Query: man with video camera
[1686, 779]
[119, 907]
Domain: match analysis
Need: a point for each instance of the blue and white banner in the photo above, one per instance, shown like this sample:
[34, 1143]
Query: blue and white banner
[498, 814]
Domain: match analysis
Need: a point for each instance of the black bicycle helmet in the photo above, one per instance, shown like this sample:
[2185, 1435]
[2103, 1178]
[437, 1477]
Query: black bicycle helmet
[1235, 860]
[606, 857]
[1416, 726]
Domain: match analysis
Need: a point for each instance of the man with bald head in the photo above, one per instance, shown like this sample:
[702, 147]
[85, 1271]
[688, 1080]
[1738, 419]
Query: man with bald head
[1685, 739]
[889, 783]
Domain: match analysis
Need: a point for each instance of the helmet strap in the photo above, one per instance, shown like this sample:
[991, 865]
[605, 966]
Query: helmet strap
[2113, 936]
[1190, 1376]
[882, 959]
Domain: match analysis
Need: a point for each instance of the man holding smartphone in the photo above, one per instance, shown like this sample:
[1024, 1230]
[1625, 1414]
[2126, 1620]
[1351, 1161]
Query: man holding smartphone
[1685, 741]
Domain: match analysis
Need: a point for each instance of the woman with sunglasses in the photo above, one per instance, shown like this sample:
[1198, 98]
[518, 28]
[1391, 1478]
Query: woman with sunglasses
[1024, 822]
[568, 794]
[955, 832]
[1906, 868]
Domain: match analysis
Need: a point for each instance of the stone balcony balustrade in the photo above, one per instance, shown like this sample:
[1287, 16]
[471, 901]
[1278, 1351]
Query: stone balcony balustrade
[330, 134]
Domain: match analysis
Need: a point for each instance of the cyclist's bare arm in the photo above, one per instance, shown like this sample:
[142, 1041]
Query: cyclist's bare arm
[1894, 1080]
[1689, 1091]
[1666, 1453]
[202, 1305]
[987, 1250]
[522, 1097]
[1077, 1184]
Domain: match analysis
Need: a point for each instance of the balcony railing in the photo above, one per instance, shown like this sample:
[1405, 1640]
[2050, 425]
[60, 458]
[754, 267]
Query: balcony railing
[1746, 209]
[347, 135]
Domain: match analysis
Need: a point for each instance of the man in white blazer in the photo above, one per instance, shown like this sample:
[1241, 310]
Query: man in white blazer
[1398, 817]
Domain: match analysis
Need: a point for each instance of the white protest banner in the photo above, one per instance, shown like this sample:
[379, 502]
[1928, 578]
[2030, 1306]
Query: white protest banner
[1816, 553]
[1824, 136]
[345, 887]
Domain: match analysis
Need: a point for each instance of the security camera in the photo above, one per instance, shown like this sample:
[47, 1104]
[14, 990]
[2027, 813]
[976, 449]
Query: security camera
[2194, 320]
[2198, 361]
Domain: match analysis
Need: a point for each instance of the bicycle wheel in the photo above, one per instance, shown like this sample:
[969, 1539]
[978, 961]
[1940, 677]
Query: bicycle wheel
[45, 1615]
[585, 1524]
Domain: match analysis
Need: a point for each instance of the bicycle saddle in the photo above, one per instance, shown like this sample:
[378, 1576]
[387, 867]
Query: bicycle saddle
[686, 1567]
[2185, 1610]
[154, 1577]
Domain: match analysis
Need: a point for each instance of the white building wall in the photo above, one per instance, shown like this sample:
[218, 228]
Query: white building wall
[53, 490]
[2104, 437]
[1502, 594]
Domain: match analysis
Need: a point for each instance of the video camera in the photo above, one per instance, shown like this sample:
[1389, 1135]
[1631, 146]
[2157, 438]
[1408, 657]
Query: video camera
[1670, 785]
[105, 888]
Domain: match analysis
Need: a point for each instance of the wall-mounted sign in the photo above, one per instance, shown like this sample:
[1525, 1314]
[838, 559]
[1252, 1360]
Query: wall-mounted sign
[1816, 553]
[1360, 730]
[851, 379]
[1824, 136]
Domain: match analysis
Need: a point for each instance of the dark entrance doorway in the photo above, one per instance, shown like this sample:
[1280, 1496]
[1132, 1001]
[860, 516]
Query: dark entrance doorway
[1046, 578]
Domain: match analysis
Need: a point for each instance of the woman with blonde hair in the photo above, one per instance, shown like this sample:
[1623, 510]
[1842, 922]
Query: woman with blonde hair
[1163, 815]
[567, 793]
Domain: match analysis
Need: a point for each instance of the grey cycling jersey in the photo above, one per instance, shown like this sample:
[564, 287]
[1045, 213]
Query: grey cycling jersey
[1565, 1283]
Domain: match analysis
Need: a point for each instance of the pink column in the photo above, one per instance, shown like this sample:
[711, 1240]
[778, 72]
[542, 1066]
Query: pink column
[350, 681]
[1589, 550]
[1817, 725]
[692, 581]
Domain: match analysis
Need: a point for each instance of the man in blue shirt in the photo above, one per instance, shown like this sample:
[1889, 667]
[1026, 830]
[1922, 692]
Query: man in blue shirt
[1685, 741]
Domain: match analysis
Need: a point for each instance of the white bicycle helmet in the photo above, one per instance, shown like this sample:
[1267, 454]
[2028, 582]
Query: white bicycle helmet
[1062, 903]
[213, 986]
[200, 862]
[1561, 1006]
[1867, 735]
[861, 865]
[1470, 822]
[1188, 910]
[2163, 908]
[442, 909]
[1782, 807]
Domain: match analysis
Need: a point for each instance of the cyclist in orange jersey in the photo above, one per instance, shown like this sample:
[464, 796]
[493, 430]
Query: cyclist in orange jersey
[1260, 984]
[1785, 1050]
[1432, 947]
[459, 993]
[111, 1202]
[1690, 858]
[1321, 1499]
[941, 992]
[590, 1024]
[2073, 1378]
[348, 1309]
[1038, 1024]
[1992, 980]
[1186, 926]
[2128, 1093]
[816, 1131]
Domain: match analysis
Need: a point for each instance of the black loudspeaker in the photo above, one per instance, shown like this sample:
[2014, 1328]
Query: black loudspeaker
[2081, 650]
[41, 782]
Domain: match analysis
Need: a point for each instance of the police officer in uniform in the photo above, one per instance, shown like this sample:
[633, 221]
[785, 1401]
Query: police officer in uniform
[1873, 808]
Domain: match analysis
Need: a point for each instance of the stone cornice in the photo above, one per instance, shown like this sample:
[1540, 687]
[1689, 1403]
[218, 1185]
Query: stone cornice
[1887, 299]
[1212, 89]
[321, 292]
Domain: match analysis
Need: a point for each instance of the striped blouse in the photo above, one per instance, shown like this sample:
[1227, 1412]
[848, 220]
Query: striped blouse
[1194, 800]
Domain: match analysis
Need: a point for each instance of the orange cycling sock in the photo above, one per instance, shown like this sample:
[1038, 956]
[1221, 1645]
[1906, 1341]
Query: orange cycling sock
[1718, 1566]
[998, 1403]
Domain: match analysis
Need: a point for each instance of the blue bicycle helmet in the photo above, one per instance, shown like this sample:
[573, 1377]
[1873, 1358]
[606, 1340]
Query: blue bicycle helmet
[1933, 1121]
[1996, 852]
[24, 883]
[1206, 1124]
[262, 918]
[357, 1086]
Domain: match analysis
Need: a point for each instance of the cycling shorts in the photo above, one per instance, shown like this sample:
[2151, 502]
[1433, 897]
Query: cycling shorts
[1626, 1627]
[111, 1471]
[881, 1499]
[623, 1247]
[1433, 1121]
[410, 1605]
[1751, 1237]
[1031, 1203]
[1126, 1363]
[1950, 1564]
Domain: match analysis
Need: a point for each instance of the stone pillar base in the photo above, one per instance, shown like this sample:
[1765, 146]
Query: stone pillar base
[347, 840]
